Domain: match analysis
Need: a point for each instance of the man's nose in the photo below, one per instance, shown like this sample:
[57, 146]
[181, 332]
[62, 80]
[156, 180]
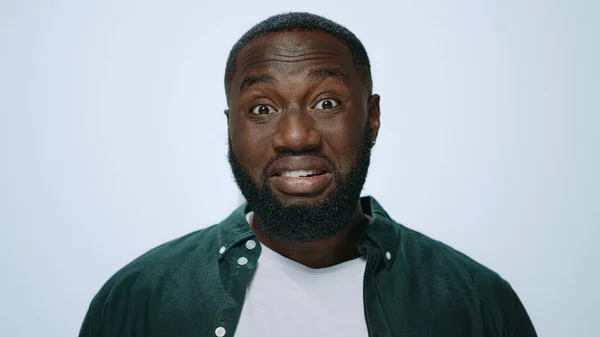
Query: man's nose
[296, 132]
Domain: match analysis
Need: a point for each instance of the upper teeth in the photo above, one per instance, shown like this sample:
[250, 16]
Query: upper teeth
[297, 173]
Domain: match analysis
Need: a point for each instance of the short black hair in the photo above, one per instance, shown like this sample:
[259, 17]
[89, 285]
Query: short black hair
[303, 21]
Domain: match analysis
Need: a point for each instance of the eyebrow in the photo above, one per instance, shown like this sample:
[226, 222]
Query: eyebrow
[254, 79]
[315, 74]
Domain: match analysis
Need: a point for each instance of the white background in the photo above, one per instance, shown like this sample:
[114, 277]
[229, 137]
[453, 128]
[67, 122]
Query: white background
[113, 140]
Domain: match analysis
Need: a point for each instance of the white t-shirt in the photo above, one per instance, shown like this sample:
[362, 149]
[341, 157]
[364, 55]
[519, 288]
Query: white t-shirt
[286, 298]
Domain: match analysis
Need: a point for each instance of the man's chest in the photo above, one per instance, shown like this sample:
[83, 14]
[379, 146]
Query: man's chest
[287, 299]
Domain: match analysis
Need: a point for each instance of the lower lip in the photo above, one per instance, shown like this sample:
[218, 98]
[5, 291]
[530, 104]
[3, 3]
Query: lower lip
[302, 185]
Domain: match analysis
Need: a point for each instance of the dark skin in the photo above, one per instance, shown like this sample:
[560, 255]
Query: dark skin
[299, 92]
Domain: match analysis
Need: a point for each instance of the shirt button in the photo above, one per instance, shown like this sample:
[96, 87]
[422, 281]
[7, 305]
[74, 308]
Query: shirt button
[222, 250]
[220, 331]
[388, 255]
[250, 244]
[242, 261]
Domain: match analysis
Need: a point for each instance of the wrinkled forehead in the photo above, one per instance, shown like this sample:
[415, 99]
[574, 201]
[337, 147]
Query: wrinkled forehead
[293, 51]
[292, 45]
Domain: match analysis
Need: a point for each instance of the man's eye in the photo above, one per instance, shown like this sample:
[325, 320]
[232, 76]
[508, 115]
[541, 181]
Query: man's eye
[326, 104]
[262, 110]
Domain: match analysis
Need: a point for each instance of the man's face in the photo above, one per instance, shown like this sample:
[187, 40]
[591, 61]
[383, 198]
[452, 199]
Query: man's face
[300, 125]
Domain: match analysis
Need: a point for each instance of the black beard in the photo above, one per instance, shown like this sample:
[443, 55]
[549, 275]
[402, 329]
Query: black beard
[304, 223]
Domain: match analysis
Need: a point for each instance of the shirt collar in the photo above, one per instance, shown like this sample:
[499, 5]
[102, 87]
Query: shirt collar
[233, 230]
[382, 232]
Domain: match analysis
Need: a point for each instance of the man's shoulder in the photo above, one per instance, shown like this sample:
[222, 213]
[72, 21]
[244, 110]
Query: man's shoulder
[195, 245]
[158, 265]
[180, 262]
[422, 257]
[447, 285]
[451, 280]
[159, 281]
[426, 255]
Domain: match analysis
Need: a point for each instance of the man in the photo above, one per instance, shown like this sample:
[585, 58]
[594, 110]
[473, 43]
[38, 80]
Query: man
[306, 256]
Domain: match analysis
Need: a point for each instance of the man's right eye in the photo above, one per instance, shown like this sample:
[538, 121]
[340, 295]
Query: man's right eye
[262, 109]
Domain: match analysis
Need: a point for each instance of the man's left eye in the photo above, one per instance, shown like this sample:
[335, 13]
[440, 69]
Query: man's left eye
[326, 104]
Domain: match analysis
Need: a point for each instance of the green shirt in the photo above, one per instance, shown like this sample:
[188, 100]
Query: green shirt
[413, 287]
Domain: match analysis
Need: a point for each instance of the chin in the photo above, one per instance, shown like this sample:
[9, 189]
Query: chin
[302, 200]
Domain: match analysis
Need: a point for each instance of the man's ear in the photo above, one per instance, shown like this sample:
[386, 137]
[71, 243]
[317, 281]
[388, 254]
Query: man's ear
[226, 112]
[373, 117]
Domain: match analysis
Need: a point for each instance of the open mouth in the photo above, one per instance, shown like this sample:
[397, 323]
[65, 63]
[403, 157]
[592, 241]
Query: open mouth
[300, 173]
[301, 182]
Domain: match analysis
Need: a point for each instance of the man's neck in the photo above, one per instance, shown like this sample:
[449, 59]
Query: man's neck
[317, 254]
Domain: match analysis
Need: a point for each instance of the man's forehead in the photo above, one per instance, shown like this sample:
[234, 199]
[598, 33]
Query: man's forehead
[293, 46]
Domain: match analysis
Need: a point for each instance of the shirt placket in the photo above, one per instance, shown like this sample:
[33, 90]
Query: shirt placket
[239, 266]
[374, 315]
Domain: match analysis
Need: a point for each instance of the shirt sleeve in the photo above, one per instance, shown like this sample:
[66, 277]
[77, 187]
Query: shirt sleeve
[91, 326]
[94, 322]
[85, 330]
[110, 313]
[521, 323]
